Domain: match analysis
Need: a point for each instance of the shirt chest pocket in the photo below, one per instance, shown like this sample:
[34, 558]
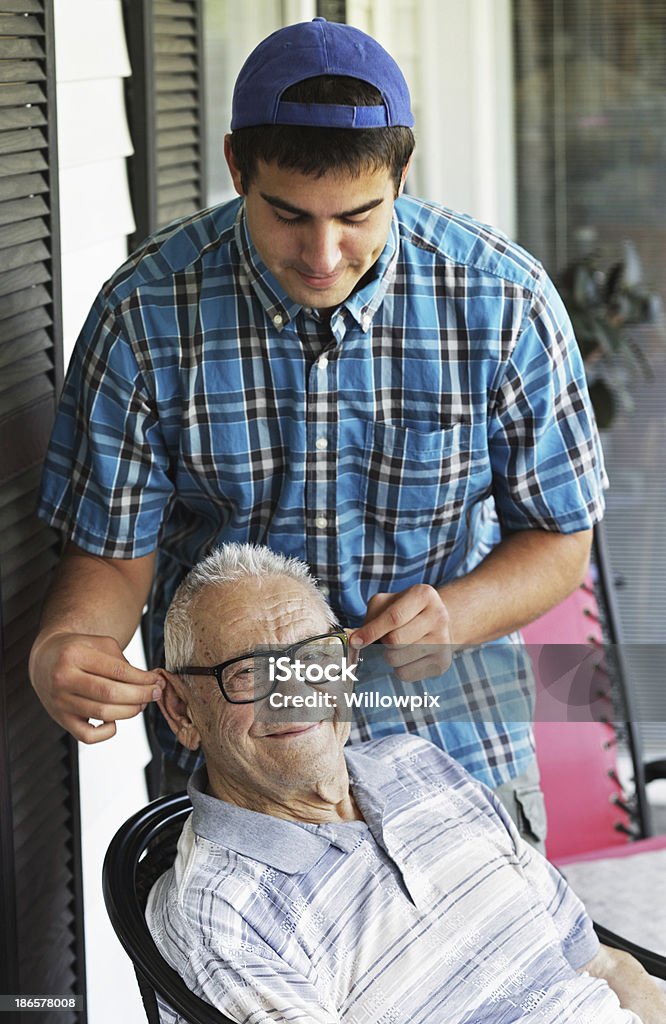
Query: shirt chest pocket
[412, 478]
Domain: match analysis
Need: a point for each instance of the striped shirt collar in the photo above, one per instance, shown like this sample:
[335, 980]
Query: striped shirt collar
[362, 304]
[290, 846]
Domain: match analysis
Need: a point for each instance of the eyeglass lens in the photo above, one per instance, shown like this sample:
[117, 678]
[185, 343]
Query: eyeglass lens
[255, 677]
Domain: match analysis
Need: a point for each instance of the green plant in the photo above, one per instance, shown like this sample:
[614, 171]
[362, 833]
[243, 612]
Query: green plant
[604, 304]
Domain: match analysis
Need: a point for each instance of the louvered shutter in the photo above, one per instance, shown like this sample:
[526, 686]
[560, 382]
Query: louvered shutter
[166, 110]
[41, 932]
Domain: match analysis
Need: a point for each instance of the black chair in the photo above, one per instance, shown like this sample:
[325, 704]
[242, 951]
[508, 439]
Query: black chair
[142, 850]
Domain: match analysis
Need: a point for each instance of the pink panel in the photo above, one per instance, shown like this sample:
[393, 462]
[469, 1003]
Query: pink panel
[575, 757]
[577, 788]
[574, 621]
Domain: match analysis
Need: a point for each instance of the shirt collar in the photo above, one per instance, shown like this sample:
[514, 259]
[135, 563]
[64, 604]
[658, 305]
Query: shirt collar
[365, 301]
[362, 304]
[289, 846]
[277, 304]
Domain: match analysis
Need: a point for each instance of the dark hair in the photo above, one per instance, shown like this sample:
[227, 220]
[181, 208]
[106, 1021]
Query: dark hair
[316, 151]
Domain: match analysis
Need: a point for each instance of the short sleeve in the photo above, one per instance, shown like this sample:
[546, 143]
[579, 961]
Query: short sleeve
[548, 888]
[106, 483]
[572, 922]
[545, 453]
[574, 925]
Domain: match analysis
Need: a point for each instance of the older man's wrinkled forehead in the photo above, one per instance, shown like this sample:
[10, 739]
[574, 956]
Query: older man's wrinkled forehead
[235, 618]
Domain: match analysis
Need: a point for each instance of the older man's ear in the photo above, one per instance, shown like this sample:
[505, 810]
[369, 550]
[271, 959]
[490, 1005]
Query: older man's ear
[174, 705]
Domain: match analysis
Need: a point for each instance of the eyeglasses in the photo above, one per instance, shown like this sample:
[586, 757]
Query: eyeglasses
[256, 675]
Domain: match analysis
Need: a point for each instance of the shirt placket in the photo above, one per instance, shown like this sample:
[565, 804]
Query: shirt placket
[322, 453]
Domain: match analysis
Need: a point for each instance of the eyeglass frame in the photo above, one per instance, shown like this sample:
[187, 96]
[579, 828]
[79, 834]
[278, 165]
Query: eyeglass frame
[217, 670]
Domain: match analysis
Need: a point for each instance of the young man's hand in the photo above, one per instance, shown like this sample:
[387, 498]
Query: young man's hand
[77, 666]
[415, 627]
[525, 575]
[78, 677]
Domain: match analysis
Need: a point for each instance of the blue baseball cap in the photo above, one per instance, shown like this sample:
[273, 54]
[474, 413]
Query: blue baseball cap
[312, 48]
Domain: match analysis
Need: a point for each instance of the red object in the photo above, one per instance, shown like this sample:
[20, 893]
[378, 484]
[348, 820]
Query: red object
[577, 759]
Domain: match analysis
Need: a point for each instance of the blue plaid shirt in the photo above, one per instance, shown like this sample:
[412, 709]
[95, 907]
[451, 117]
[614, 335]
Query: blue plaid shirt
[444, 400]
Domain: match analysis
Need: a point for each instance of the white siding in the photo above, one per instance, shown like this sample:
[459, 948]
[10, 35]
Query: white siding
[93, 142]
[96, 217]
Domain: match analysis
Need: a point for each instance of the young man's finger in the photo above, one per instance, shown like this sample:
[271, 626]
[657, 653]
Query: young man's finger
[85, 732]
[386, 613]
[115, 668]
[80, 707]
[405, 654]
[424, 668]
[105, 690]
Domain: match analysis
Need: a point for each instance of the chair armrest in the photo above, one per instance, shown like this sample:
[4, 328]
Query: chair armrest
[654, 963]
[654, 770]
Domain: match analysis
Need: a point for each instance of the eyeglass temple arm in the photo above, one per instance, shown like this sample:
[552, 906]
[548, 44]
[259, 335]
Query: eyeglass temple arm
[186, 671]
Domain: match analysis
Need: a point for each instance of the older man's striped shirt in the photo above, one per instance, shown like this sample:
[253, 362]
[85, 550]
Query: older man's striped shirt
[430, 911]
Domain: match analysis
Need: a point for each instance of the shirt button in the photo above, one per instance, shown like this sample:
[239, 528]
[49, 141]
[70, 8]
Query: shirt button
[365, 322]
[322, 362]
[321, 443]
[321, 522]
[278, 320]
[324, 590]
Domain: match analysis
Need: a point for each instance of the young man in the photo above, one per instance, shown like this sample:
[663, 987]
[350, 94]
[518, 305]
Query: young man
[385, 389]
[371, 883]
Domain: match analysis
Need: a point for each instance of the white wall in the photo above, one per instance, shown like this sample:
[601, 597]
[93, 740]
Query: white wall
[457, 59]
[231, 31]
[96, 217]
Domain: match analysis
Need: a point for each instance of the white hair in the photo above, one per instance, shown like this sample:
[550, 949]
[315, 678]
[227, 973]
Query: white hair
[229, 564]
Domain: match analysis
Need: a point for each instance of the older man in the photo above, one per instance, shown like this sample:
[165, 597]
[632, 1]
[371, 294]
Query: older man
[377, 883]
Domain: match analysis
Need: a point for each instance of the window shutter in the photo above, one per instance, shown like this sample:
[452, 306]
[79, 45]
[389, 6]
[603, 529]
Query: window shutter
[41, 939]
[165, 98]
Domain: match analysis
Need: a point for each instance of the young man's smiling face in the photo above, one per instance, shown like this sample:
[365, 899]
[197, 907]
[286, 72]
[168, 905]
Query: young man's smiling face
[317, 236]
